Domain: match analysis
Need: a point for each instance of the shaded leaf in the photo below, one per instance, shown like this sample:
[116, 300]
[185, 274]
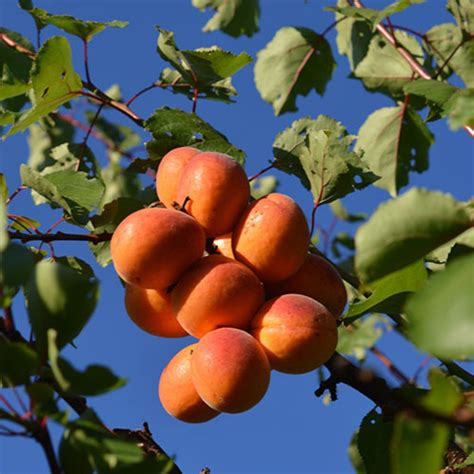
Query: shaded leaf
[18, 363]
[441, 315]
[405, 229]
[354, 455]
[296, 61]
[172, 128]
[395, 141]
[390, 292]
[10, 86]
[461, 109]
[16, 264]
[234, 17]
[342, 213]
[463, 11]
[54, 82]
[60, 298]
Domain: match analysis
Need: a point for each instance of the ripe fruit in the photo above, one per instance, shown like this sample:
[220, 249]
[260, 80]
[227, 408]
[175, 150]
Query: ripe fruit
[224, 245]
[230, 370]
[272, 237]
[216, 291]
[298, 333]
[170, 171]
[319, 280]
[217, 190]
[177, 392]
[151, 311]
[152, 247]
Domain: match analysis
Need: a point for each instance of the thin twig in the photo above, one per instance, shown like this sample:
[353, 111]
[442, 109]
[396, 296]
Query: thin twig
[43, 437]
[14, 194]
[94, 238]
[86, 60]
[390, 365]
[268, 168]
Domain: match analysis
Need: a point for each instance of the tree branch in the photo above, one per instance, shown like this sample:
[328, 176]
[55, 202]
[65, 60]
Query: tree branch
[43, 437]
[94, 238]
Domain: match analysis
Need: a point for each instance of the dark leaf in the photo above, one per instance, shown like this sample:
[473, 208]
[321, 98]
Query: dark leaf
[18, 363]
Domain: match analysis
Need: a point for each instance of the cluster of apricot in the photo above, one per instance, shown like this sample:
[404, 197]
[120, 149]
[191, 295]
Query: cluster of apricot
[205, 264]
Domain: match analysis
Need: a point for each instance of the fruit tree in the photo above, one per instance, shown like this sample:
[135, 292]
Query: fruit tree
[237, 236]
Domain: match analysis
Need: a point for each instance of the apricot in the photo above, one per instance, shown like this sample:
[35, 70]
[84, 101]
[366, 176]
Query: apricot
[298, 333]
[151, 311]
[224, 245]
[215, 292]
[319, 280]
[152, 247]
[216, 191]
[169, 173]
[177, 392]
[230, 370]
[272, 237]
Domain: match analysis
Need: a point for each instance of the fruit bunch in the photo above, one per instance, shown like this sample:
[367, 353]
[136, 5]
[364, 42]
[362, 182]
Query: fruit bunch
[234, 274]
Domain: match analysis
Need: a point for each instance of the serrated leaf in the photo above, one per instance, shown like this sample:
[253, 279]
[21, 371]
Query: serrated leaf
[296, 61]
[262, 186]
[461, 109]
[374, 443]
[353, 37]
[441, 315]
[205, 70]
[390, 292]
[403, 230]
[59, 298]
[172, 128]
[319, 153]
[463, 11]
[384, 69]
[18, 363]
[84, 29]
[53, 80]
[234, 17]
[395, 141]
[362, 336]
[447, 41]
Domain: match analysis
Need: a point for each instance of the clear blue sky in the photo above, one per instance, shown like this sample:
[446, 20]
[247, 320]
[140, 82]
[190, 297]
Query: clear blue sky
[290, 430]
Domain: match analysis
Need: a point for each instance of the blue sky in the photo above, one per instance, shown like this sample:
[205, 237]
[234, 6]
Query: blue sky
[290, 430]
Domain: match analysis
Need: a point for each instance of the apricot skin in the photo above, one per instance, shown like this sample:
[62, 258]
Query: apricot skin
[298, 333]
[151, 311]
[177, 392]
[217, 190]
[215, 292]
[272, 237]
[169, 173]
[230, 370]
[319, 280]
[223, 244]
[152, 247]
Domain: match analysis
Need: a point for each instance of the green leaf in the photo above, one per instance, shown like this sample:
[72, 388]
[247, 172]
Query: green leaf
[60, 298]
[469, 461]
[390, 292]
[441, 315]
[73, 157]
[363, 335]
[172, 128]
[444, 40]
[374, 443]
[234, 17]
[461, 109]
[69, 189]
[3, 213]
[444, 397]
[353, 37]
[432, 90]
[429, 437]
[319, 153]
[405, 229]
[54, 82]
[354, 455]
[384, 69]
[111, 216]
[10, 86]
[262, 186]
[16, 264]
[342, 213]
[18, 363]
[84, 29]
[208, 70]
[296, 61]
[395, 141]
[44, 404]
[463, 11]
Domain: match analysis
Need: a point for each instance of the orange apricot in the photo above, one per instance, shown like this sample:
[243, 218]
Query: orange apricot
[319, 280]
[215, 292]
[230, 370]
[177, 392]
[151, 311]
[169, 173]
[152, 247]
[224, 245]
[298, 333]
[216, 191]
[272, 237]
